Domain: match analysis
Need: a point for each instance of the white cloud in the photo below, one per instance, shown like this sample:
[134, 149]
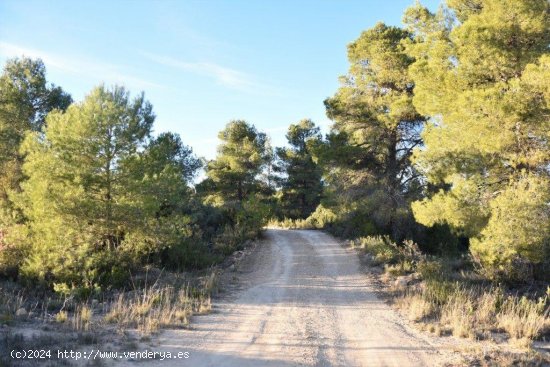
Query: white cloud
[11, 50]
[228, 77]
[96, 71]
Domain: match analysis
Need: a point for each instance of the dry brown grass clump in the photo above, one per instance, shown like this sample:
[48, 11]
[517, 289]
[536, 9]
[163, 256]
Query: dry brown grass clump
[458, 314]
[522, 318]
[10, 301]
[415, 306]
[474, 311]
[82, 318]
[61, 317]
[156, 307]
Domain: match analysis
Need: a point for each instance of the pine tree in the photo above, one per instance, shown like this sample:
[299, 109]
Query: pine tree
[375, 130]
[301, 184]
[481, 72]
[25, 99]
[84, 196]
[234, 183]
[242, 155]
[166, 168]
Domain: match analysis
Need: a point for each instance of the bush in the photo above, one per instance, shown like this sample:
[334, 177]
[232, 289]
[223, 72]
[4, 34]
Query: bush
[399, 259]
[517, 235]
[439, 240]
[188, 253]
[14, 248]
[382, 250]
[321, 217]
[431, 270]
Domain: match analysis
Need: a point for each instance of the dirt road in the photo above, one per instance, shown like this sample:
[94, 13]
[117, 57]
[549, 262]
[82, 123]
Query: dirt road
[303, 302]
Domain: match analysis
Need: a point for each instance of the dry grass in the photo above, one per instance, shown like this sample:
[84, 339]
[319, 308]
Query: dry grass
[401, 268]
[12, 340]
[210, 283]
[458, 314]
[499, 358]
[61, 316]
[416, 307]
[487, 306]
[156, 307]
[82, 318]
[148, 311]
[11, 300]
[169, 302]
[522, 318]
[469, 312]
[472, 311]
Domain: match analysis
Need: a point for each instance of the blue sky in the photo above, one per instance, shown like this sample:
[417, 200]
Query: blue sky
[200, 63]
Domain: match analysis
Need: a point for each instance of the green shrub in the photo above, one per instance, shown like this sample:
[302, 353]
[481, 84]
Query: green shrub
[382, 250]
[518, 232]
[188, 253]
[432, 270]
[440, 291]
[321, 217]
[14, 248]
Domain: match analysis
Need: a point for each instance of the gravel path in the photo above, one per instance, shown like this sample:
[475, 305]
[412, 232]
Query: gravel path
[302, 301]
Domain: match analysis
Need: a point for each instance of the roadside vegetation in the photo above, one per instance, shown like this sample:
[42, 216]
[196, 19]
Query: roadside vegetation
[436, 167]
[449, 296]
[122, 318]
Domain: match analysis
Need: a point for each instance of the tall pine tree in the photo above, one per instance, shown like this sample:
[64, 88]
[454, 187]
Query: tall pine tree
[375, 130]
[84, 196]
[235, 183]
[242, 156]
[301, 184]
[25, 99]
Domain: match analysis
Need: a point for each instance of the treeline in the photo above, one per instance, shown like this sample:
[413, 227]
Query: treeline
[441, 135]
[88, 195]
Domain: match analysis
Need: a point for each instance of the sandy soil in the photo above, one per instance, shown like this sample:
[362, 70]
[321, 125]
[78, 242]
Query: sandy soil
[301, 300]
